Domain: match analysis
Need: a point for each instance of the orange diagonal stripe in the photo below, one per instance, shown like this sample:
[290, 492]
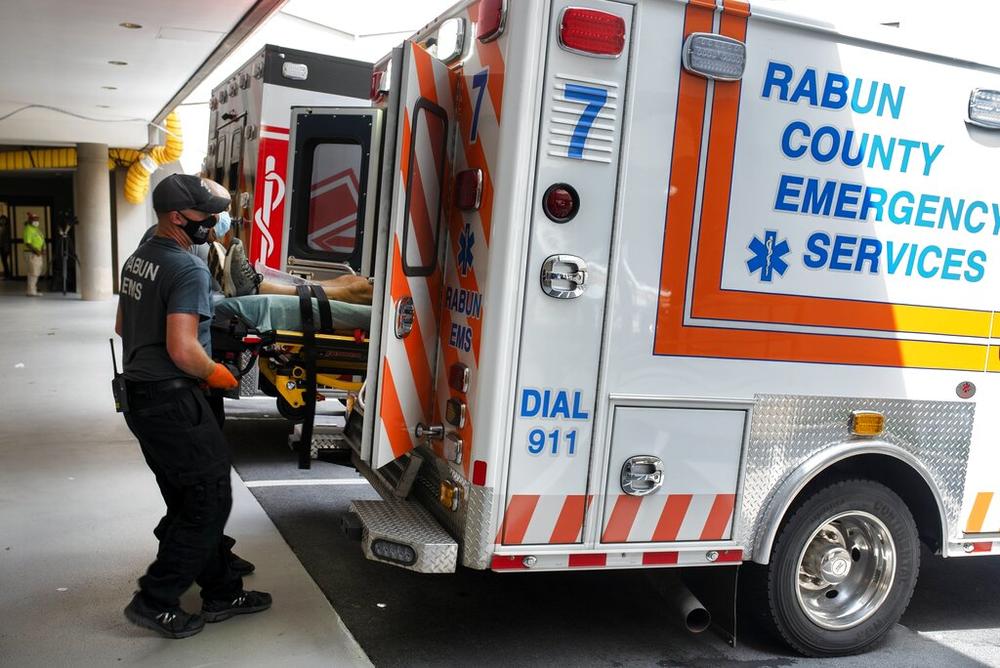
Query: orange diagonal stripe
[519, 512]
[674, 511]
[718, 517]
[392, 415]
[978, 515]
[570, 522]
[622, 518]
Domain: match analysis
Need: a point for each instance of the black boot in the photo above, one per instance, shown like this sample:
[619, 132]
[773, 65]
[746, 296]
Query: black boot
[173, 623]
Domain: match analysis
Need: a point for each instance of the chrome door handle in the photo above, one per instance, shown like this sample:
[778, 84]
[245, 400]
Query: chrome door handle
[642, 475]
[569, 270]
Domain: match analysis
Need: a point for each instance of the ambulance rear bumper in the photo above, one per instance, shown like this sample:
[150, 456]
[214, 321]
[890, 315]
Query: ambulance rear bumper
[402, 533]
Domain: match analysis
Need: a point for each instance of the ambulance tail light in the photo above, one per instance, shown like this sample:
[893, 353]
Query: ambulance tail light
[714, 56]
[399, 553]
[592, 32]
[984, 108]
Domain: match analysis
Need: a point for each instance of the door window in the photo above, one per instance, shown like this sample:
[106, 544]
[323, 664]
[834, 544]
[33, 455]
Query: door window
[424, 181]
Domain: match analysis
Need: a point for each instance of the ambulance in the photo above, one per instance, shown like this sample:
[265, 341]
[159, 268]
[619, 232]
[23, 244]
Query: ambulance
[248, 140]
[676, 283]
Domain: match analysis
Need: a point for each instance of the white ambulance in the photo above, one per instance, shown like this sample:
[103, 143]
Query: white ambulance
[680, 283]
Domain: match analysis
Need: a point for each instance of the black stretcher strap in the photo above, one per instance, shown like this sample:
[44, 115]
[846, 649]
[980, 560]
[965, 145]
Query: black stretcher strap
[325, 314]
[309, 355]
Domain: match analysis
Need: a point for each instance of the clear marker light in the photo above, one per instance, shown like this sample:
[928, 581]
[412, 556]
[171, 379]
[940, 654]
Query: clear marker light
[984, 108]
[714, 56]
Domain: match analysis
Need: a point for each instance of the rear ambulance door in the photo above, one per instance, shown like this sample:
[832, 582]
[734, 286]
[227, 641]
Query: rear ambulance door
[333, 175]
[411, 307]
[578, 152]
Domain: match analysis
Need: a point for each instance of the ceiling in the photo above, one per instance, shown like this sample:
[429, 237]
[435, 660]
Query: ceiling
[56, 53]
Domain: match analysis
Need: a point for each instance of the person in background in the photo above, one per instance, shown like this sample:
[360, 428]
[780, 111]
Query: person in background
[5, 243]
[34, 247]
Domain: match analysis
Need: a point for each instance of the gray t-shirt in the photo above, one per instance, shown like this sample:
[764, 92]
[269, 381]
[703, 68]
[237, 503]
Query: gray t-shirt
[158, 279]
[198, 250]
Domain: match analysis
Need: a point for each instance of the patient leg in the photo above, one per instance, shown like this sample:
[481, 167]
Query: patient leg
[347, 288]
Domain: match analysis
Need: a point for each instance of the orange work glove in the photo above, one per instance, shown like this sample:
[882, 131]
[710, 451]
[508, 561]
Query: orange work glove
[221, 378]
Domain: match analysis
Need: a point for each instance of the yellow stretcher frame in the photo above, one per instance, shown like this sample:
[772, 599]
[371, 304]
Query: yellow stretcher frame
[337, 355]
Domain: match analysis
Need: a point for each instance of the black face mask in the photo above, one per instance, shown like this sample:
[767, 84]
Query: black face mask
[197, 230]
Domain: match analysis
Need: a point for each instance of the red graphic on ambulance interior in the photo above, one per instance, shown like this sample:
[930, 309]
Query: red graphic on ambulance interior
[333, 213]
[333, 198]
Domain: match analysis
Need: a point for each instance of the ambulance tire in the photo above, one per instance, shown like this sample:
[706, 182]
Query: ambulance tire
[864, 501]
[289, 412]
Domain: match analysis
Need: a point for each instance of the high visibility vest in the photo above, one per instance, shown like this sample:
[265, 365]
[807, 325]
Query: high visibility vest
[33, 238]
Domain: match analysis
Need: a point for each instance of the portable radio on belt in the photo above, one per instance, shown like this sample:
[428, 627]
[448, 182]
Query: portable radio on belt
[118, 389]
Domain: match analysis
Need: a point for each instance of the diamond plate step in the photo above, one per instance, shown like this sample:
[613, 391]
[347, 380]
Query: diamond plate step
[407, 523]
[325, 437]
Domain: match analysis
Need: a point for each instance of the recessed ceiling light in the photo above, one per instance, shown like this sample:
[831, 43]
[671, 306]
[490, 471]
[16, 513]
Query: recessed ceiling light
[129, 25]
[117, 62]
[110, 87]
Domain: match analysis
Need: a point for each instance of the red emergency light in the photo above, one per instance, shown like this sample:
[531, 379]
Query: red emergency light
[492, 16]
[561, 202]
[592, 32]
[469, 189]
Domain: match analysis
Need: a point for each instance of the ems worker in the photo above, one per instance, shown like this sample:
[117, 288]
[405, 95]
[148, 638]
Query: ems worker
[164, 315]
[34, 247]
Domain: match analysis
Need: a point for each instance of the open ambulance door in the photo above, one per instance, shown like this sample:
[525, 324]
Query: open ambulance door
[333, 177]
[412, 234]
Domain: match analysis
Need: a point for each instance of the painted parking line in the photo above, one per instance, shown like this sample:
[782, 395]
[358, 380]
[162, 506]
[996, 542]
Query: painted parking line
[301, 483]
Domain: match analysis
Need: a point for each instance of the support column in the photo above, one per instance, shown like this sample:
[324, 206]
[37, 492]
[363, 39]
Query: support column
[93, 235]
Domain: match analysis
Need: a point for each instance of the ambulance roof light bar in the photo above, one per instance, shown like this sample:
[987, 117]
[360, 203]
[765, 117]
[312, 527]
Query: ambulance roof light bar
[984, 108]
[591, 32]
[714, 56]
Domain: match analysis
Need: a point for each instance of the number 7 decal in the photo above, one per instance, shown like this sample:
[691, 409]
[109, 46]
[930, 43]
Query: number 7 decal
[479, 80]
[595, 99]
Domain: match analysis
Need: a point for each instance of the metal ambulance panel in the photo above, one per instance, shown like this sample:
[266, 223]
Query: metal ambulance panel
[673, 474]
[579, 144]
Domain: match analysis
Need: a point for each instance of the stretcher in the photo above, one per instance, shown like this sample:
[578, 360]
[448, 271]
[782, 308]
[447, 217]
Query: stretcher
[303, 346]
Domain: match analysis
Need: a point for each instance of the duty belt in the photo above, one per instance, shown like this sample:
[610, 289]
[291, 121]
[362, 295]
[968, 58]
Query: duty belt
[153, 389]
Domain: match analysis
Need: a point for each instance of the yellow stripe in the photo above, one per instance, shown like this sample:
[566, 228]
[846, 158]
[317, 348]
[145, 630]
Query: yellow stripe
[937, 355]
[931, 320]
[978, 514]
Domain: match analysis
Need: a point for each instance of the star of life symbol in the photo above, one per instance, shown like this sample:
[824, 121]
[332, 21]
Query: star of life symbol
[768, 256]
[466, 240]
[274, 193]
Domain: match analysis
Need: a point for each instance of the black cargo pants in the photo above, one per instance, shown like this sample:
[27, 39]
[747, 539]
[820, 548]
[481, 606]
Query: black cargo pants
[187, 453]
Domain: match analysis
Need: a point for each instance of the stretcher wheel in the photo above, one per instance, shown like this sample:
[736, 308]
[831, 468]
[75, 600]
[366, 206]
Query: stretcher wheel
[289, 412]
[842, 571]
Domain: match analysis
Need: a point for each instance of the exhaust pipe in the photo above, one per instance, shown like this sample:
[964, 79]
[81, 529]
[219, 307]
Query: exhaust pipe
[688, 609]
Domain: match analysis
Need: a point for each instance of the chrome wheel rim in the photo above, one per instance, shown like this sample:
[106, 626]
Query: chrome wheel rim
[845, 570]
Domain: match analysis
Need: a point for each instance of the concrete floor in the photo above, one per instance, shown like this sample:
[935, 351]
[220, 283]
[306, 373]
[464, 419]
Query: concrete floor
[77, 505]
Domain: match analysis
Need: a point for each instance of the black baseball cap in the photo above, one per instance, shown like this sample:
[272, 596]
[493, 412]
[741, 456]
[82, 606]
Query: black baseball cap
[186, 191]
